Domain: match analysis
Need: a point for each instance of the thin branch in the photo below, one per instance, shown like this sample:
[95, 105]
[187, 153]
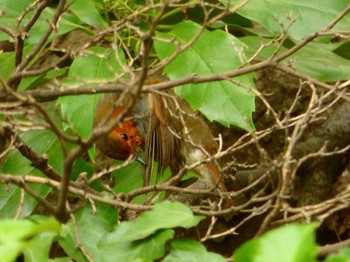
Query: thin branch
[37, 161]
[21, 182]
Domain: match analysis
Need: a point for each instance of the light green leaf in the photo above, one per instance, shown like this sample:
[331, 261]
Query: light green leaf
[39, 248]
[190, 250]
[342, 256]
[308, 16]
[17, 236]
[214, 52]
[289, 243]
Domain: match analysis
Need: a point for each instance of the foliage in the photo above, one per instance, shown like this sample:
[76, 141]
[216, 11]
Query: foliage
[294, 242]
[32, 237]
[210, 50]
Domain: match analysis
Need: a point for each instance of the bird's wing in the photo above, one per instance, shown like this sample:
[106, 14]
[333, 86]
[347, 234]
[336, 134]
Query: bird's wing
[160, 142]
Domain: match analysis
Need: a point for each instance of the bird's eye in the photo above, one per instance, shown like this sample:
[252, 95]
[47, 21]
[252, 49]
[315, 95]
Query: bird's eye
[124, 136]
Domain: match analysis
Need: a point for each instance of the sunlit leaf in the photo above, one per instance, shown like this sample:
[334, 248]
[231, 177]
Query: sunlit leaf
[343, 255]
[17, 236]
[289, 243]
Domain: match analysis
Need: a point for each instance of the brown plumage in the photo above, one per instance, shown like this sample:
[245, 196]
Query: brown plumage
[168, 130]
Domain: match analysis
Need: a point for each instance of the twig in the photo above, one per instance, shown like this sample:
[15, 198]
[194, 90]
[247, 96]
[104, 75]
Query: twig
[21, 182]
[77, 235]
[20, 205]
[326, 250]
[39, 162]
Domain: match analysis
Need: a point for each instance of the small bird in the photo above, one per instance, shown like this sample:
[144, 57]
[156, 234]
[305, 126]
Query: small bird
[166, 128]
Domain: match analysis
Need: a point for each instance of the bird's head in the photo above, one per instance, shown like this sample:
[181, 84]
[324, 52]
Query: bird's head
[123, 142]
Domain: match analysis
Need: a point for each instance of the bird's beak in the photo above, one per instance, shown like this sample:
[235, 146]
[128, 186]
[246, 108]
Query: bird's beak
[139, 159]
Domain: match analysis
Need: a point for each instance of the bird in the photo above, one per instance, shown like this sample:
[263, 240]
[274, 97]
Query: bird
[168, 130]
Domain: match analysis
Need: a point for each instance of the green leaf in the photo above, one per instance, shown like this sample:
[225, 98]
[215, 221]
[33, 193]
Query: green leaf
[289, 243]
[26, 236]
[214, 52]
[145, 237]
[308, 16]
[190, 250]
[315, 60]
[39, 247]
[7, 64]
[319, 63]
[147, 249]
[86, 11]
[92, 228]
[32, 82]
[15, 8]
[98, 66]
[130, 178]
[43, 142]
[342, 256]
[164, 215]
[79, 111]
